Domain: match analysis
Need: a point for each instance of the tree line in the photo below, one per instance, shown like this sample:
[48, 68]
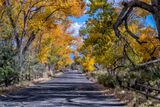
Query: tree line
[34, 37]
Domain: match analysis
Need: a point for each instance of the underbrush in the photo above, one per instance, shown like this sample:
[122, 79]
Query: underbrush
[24, 84]
[114, 86]
[105, 79]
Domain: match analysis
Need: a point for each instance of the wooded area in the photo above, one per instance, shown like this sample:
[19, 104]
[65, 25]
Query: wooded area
[117, 40]
[34, 40]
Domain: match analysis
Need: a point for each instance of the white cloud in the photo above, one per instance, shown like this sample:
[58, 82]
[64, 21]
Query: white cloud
[75, 27]
[87, 1]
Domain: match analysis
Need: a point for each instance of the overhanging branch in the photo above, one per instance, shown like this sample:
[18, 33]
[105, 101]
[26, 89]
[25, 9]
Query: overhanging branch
[127, 9]
[146, 64]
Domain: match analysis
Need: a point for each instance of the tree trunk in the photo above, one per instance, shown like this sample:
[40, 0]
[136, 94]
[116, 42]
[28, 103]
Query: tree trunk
[156, 15]
[48, 70]
[20, 63]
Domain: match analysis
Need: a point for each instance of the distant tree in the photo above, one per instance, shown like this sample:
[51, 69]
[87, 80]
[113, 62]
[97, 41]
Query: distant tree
[27, 19]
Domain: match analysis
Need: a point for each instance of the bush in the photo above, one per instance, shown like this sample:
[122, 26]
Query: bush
[105, 79]
[8, 74]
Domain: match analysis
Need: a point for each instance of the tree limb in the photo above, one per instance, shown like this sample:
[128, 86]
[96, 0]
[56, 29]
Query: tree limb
[30, 40]
[13, 24]
[127, 9]
[145, 64]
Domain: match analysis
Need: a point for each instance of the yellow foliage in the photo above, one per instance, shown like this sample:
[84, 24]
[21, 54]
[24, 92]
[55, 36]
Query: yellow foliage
[149, 47]
[147, 1]
[43, 26]
[55, 42]
[43, 56]
[88, 63]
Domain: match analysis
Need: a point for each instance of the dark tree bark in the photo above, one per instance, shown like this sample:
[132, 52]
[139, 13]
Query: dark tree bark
[156, 14]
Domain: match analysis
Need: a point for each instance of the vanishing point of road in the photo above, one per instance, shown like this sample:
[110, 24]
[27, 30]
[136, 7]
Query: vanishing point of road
[71, 89]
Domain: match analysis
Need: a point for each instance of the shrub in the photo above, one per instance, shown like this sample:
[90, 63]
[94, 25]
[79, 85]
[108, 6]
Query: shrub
[8, 74]
[106, 79]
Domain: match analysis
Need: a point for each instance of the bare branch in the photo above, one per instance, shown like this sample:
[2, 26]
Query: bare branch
[146, 64]
[140, 4]
[51, 14]
[125, 54]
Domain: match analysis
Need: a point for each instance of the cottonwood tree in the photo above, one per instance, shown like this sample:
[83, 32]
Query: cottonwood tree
[26, 19]
[135, 45]
[54, 47]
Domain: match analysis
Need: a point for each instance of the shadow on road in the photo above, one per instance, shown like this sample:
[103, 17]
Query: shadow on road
[69, 89]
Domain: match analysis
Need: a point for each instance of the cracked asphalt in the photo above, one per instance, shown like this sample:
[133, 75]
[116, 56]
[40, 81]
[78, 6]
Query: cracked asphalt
[70, 89]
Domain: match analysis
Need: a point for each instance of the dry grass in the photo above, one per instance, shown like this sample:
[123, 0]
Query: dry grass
[24, 84]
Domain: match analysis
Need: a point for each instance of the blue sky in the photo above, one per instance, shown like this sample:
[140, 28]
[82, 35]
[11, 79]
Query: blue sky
[150, 21]
[78, 23]
[80, 19]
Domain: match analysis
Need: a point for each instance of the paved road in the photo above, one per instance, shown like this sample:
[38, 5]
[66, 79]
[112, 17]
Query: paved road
[70, 89]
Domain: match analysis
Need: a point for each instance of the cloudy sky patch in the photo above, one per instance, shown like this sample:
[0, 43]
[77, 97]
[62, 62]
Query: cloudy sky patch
[75, 27]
